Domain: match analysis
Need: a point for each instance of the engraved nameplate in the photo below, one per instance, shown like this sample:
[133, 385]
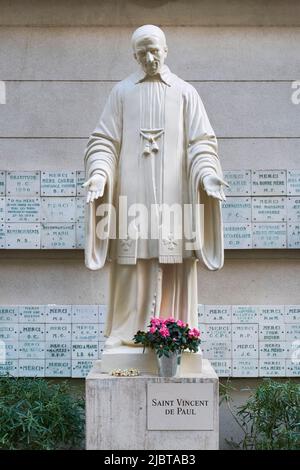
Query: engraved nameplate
[86, 332]
[292, 331]
[245, 332]
[236, 209]
[32, 332]
[8, 350]
[180, 406]
[269, 235]
[58, 236]
[293, 182]
[216, 349]
[273, 350]
[58, 350]
[292, 314]
[9, 331]
[217, 313]
[81, 368]
[271, 313]
[244, 367]
[244, 314]
[239, 182]
[58, 368]
[269, 209]
[58, 209]
[215, 331]
[265, 182]
[23, 236]
[21, 209]
[58, 332]
[222, 367]
[84, 350]
[2, 183]
[31, 349]
[80, 179]
[23, 183]
[293, 209]
[245, 349]
[31, 367]
[271, 332]
[8, 314]
[58, 313]
[272, 368]
[58, 183]
[31, 313]
[293, 235]
[80, 209]
[237, 236]
[292, 368]
[85, 314]
[10, 367]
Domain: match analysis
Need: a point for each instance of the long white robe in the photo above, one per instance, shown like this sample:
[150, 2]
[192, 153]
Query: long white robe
[185, 150]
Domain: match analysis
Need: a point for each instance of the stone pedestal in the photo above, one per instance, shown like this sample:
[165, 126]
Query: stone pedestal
[135, 413]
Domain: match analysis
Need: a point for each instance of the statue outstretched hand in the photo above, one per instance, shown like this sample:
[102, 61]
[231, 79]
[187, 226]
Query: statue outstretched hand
[96, 186]
[213, 186]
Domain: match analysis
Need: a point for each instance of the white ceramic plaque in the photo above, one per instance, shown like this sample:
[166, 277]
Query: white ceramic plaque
[80, 236]
[245, 368]
[265, 182]
[245, 332]
[58, 313]
[2, 183]
[58, 331]
[11, 366]
[8, 350]
[31, 313]
[292, 368]
[293, 209]
[244, 314]
[80, 179]
[216, 349]
[293, 235]
[217, 313]
[31, 367]
[245, 349]
[180, 406]
[269, 235]
[23, 236]
[215, 331]
[237, 236]
[201, 314]
[271, 313]
[293, 182]
[58, 183]
[269, 209]
[86, 331]
[58, 209]
[271, 332]
[58, 350]
[102, 313]
[9, 314]
[32, 332]
[2, 236]
[236, 209]
[84, 350]
[273, 350]
[81, 368]
[292, 314]
[292, 331]
[9, 331]
[239, 182]
[59, 236]
[31, 349]
[80, 209]
[2, 209]
[85, 314]
[22, 209]
[23, 183]
[222, 367]
[272, 368]
[58, 368]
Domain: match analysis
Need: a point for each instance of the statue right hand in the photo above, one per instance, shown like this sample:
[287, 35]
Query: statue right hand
[96, 186]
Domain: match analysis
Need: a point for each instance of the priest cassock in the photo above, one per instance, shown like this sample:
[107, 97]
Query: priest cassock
[154, 148]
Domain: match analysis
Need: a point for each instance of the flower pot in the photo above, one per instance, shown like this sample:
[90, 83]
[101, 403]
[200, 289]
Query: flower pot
[169, 366]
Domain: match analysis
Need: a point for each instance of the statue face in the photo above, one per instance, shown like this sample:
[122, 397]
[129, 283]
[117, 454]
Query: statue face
[150, 53]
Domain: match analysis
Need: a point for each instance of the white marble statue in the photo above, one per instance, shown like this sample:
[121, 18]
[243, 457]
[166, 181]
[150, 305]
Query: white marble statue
[155, 147]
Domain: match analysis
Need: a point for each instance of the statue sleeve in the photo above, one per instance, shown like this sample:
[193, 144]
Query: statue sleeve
[101, 156]
[202, 159]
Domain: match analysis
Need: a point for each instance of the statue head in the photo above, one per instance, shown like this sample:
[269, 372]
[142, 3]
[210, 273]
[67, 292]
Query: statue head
[150, 48]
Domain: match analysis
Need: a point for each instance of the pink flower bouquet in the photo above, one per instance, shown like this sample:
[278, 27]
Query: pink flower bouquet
[168, 335]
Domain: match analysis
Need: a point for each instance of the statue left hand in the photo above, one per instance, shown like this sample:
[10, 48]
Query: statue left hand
[213, 186]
